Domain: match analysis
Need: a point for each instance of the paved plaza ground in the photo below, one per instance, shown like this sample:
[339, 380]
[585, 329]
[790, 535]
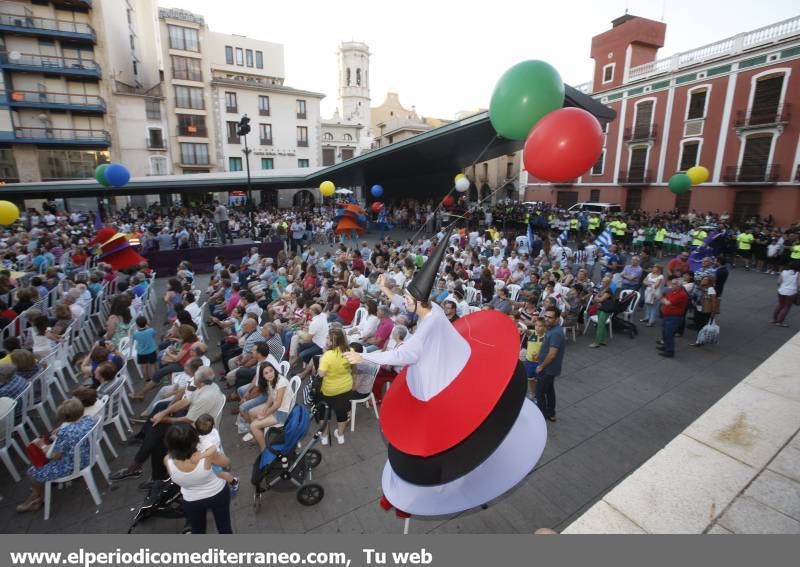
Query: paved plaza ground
[617, 406]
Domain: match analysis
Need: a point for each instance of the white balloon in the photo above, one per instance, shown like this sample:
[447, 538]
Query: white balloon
[462, 184]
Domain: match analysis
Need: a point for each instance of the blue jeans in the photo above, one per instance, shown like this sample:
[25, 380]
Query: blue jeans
[546, 394]
[309, 351]
[650, 312]
[669, 325]
[250, 404]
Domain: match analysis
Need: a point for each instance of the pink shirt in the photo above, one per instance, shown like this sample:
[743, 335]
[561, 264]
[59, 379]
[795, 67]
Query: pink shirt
[382, 332]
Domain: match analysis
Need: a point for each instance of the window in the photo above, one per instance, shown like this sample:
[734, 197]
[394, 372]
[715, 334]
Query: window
[194, 154]
[130, 16]
[158, 166]
[8, 167]
[239, 56]
[229, 55]
[155, 138]
[235, 164]
[186, 68]
[302, 163]
[265, 134]
[348, 76]
[233, 129]
[636, 171]
[135, 68]
[230, 102]
[597, 168]
[358, 77]
[755, 158]
[766, 100]
[263, 105]
[594, 196]
[682, 202]
[608, 73]
[328, 156]
[133, 42]
[347, 138]
[302, 136]
[689, 154]
[259, 60]
[642, 124]
[327, 136]
[70, 164]
[509, 169]
[697, 104]
[153, 109]
[185, 39]
[267, 163]
[347, 153]
[301, 108]
[189, 97]
[192, 125]
[249, 57]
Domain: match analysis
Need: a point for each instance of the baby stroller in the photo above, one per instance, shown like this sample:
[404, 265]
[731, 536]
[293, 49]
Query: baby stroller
[620, 324]
[163, 500]
[284, 460]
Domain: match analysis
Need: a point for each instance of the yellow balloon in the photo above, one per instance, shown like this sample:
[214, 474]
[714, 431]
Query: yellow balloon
[698, 174]
[327, 188]
[459, 176]
[8, 212]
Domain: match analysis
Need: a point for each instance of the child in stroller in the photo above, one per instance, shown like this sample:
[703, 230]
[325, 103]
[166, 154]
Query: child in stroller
[284, 460]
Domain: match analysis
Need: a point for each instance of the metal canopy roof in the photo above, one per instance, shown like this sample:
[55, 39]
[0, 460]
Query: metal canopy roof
[423, 165]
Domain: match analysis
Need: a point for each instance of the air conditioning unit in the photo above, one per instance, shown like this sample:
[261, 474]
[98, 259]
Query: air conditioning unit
[693, 128]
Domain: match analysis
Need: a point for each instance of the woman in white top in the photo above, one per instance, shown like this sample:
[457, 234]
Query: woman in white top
[201, 489]
[279, 403]
[787, 293]
[654, 286]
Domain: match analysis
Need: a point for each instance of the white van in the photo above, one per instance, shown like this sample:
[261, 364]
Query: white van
[602, 208]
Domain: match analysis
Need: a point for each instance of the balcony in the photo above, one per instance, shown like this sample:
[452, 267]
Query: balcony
[753, 173]
[635, 177]
[194, 131]
[234, 140]
[232, 109]
[61, 136]
[302, 143]
[301, 115]
[760, 118]
[54, 101]
[50, 64]
[263, 112]
[87, 4]
[641, 133]
[45, 27]
[265, 141]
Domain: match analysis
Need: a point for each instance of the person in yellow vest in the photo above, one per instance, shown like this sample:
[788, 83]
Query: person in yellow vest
[698, 237]
[795, 254]
[744, 245]
[661, 234]
[624, 235]
[573, 225]
[594, 223]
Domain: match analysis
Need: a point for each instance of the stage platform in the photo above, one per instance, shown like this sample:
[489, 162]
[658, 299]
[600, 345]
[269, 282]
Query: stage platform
[165, 262]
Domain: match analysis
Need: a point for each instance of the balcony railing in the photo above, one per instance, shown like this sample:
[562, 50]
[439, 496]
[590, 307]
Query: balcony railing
[265, 141]
[263, 111]
[301, 115]
[302, 143]
[194, 131]
[233, 140]
[729, 46]
[46, 27]
[635, 177]
[156, 145]
[232, 109]
[73, 3]
[756, 118]
[62, 136]
[50, 64]
[641, 133]
[753, 173]
[62, 101]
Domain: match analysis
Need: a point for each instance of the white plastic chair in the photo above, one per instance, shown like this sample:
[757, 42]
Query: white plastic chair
[7, 441]
[115, 412]
[39, 383]
[361, 312]
[101, 416]
[498, 284]
[628, 313]
[95, 457]
[513, 291]
[368, 398]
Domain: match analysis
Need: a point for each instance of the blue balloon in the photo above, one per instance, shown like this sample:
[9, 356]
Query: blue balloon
[117, 175]
[377, 191]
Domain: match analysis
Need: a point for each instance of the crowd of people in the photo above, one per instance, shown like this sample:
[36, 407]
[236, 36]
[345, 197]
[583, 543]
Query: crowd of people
[236, 342]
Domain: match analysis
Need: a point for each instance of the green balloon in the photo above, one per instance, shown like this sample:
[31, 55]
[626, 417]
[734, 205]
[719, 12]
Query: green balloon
[100, 174]
[523, 95]
[680, 183]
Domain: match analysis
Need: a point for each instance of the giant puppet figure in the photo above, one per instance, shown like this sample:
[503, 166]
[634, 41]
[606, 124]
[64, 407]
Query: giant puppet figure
[459, 428]
[114, 249]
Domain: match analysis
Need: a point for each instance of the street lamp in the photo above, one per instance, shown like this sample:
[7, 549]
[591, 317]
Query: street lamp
[242, 131]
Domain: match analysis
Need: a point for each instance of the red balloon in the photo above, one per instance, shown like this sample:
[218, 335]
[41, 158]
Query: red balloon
[448, 201]
[563, 145]
[377, 206]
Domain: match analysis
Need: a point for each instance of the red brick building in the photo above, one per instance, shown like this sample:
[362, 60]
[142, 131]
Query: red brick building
[727, 106]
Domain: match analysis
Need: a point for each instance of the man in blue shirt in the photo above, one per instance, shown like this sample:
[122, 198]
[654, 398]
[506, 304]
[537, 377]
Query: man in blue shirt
[551, 356]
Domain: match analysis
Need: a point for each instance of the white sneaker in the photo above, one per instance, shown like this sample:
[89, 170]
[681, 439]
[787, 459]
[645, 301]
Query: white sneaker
[247, 438]
[324, 439]
[339, 438]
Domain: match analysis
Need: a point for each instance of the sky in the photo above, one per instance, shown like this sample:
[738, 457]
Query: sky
[444, 56]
